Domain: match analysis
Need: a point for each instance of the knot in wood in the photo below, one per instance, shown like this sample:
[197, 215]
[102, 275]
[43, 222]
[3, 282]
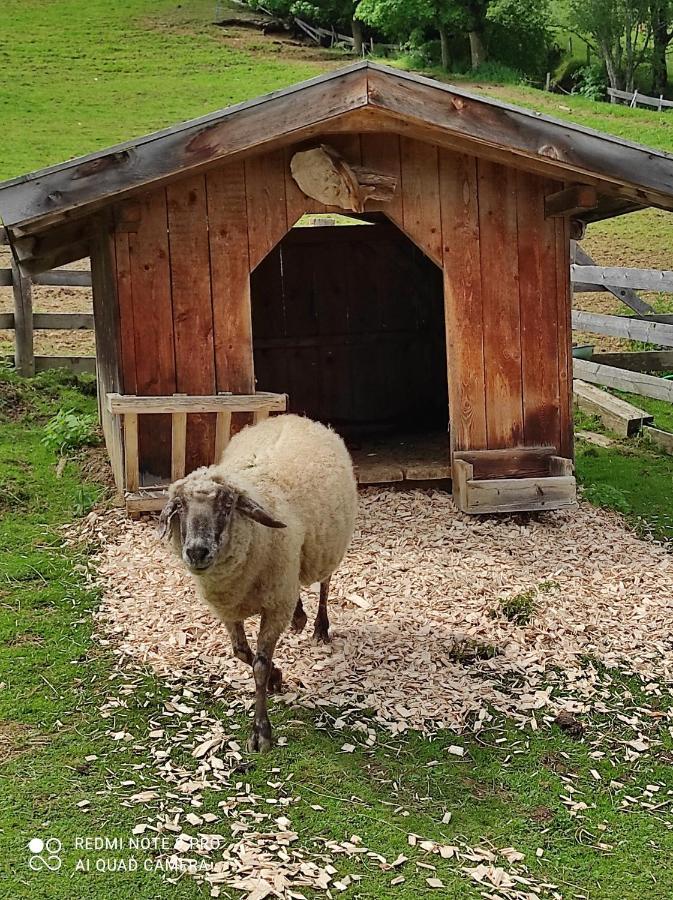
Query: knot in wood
[549, 151]
[458, 103]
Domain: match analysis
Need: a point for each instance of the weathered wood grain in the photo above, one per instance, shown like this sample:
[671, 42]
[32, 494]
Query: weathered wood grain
[616, 414]
[628, 296]
[230, 278]
[153, 330]
[623, 326]
[458, 193]
[638, 360]
[623, 277]
[265, 196]
[24, 354]
[623, 380]
[192, 307]
[571, 200]
[563, 313]
[500, 302]
[539, 313]
[120, 404]
[421, 217]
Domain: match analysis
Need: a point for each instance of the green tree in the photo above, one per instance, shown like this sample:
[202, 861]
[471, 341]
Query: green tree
[619, 31]
[398, 19]
[661, 13]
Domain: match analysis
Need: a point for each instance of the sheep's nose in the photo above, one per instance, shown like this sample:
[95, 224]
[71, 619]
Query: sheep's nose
[197, 555]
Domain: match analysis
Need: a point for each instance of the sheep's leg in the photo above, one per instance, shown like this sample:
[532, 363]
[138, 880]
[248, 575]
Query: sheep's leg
[321, 629]
[298, 618]
[239, 642]
[242, 651]
[263, 670]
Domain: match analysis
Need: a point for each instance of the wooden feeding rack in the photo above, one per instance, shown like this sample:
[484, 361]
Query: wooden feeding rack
[179, 406]
[505, 481]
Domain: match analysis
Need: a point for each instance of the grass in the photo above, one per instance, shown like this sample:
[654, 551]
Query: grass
[55, 752]
[95, 73]
[92, 74]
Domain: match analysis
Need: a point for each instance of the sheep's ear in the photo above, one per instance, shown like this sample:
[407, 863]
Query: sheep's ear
[172, 507]
[257, 513]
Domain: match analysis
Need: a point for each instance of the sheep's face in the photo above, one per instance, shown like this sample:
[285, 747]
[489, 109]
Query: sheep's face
[199, 514]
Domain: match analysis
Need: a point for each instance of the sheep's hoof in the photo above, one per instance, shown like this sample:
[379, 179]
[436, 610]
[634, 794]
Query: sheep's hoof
[299, 618]
[298, 622]
[260, 740]
[275, 682]
[321, 636]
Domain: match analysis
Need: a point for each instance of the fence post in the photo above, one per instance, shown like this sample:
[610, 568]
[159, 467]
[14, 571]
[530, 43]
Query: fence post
[24, 355]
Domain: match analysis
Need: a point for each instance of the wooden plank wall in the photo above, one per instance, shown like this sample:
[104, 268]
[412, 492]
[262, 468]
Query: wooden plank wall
[183, 269]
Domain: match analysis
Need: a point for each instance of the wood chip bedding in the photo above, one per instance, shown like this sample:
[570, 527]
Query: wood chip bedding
[420, 638]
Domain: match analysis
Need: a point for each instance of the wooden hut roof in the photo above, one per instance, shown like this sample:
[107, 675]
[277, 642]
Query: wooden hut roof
[359, 97]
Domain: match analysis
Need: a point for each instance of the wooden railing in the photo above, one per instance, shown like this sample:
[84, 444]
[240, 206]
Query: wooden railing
[23, 321]
[635, 98]
[179, 407]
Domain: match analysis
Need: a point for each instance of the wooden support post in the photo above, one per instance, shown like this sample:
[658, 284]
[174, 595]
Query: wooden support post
[131, 463]
[569, 202]
[260, 414]
[178, 445]
[24, 355]
[222, 433]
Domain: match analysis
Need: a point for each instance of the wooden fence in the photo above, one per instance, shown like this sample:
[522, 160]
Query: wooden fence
[24, 322]
[635, 98]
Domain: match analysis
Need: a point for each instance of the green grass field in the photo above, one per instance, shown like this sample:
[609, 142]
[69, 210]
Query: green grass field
[84, 75]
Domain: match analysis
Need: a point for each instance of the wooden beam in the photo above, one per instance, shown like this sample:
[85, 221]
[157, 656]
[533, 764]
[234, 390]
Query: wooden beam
[80, 365]
[63, 321]
[662, 439]
[5, 277]
[222, 433]
[624, 327]
[24, 355]
[616, 414]
[637, 361]
[123, 404]
[178, 445]
[625, 294]
[622, 277]
[571, 201]
[622, 380]
[63, 278]
[131, 460]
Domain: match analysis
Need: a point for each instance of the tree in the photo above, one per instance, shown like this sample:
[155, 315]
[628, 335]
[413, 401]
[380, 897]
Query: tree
[619, 31]
[400, 18]
[660, 20]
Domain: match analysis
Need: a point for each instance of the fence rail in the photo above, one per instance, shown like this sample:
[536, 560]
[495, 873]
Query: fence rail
[633, 98]
[24, 322]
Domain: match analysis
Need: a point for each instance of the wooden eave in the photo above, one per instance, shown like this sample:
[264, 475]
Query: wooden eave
[366, 97]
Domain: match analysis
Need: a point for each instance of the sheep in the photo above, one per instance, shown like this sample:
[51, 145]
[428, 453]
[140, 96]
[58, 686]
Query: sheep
[294, 477]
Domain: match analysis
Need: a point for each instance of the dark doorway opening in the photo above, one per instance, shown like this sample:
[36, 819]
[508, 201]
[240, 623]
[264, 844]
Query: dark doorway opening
[348, 320]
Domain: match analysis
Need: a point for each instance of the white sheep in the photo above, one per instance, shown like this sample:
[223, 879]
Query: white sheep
[295, 477]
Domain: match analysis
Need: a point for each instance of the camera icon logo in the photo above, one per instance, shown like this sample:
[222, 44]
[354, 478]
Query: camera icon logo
[45, 854]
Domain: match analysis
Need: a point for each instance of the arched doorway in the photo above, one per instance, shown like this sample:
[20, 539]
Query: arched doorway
[348, 320]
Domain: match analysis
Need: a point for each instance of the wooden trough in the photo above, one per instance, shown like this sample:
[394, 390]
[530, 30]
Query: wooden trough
[446, 311]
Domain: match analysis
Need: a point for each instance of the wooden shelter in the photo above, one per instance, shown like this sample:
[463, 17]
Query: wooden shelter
[447, 309]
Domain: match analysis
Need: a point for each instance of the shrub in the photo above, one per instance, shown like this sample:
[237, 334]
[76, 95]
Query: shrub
[69, 430]
[591, 82]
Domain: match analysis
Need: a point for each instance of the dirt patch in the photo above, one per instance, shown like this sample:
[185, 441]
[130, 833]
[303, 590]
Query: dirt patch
[16, 739]
[94, 464]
